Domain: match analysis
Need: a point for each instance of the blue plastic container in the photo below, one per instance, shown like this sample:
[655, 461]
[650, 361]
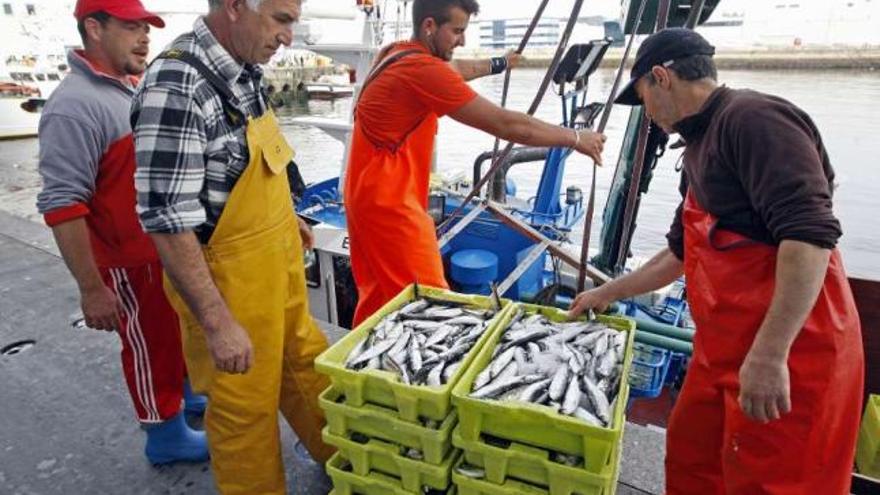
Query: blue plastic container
[648, 373]
[677, 364]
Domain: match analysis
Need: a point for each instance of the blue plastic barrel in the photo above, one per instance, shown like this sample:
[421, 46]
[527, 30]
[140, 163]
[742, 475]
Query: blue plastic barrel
[473, 270]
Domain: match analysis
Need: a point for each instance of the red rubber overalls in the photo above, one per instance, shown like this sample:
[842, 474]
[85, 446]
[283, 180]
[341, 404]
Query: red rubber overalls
[712, 448]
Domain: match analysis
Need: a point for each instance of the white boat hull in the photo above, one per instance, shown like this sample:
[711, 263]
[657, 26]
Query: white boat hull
[14, 121]
[328, 91]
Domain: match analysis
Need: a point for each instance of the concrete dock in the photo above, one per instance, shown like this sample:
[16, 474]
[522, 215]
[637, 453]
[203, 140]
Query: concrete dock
[66, 422]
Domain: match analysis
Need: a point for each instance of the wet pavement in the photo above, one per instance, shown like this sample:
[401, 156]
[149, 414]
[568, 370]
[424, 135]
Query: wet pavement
[66, 423]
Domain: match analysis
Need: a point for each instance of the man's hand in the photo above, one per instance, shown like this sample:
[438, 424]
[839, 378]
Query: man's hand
[594, 299]
[305, 232]
[230, 347]
[764, 388]
[591, 144]
[101, 308]
[184, 263]
[514, 59]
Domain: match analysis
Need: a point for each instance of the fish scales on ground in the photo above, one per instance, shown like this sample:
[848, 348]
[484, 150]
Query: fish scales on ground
[575, 368]
[424, 342]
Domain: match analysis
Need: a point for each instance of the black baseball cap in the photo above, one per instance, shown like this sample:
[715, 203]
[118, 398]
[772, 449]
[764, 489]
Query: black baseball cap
[664, 48]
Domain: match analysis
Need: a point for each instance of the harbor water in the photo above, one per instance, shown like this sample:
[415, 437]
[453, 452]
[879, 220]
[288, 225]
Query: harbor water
[845, 106]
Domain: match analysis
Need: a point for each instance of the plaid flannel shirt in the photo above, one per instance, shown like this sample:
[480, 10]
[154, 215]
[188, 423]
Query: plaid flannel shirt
[189, 156]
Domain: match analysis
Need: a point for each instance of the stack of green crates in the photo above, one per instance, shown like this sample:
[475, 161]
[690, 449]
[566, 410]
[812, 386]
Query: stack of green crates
[373, 419]
[514, 442]
[868, 451]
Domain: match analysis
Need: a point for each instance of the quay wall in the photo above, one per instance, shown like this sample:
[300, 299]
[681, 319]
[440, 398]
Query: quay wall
[279, 76]
[758, 59]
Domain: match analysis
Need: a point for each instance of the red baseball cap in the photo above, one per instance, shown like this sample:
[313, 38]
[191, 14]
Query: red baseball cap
[127, 10]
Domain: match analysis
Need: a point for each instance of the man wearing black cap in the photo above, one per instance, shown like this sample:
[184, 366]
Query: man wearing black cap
[773, 392]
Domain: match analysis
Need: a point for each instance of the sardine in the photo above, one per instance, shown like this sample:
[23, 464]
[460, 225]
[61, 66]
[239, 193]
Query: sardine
[502, 361]
[436, 375]
[401, 343]
[497, 388]
[414, 307]
[559, 382]
[391, 365]
[534, 391]
[587, 416]
[439, 335]
[355, 352]
[450, 370]
[600, 403]
[440, 313]
[607, 362]
[415, 355]
[465, 319]
[373, 352]
[470, 471]
[423, 325]
[568, 460]
[572, 396]
[483, 377]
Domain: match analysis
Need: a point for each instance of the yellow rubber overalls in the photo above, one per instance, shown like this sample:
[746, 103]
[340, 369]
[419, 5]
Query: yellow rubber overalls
[256, 259]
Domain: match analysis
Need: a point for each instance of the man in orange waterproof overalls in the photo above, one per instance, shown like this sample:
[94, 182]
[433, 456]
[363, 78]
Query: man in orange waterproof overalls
[773, 393]
[413, 83]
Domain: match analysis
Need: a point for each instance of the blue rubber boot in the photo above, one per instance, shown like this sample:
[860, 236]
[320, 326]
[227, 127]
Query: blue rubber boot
[193, 403]
[174, 441]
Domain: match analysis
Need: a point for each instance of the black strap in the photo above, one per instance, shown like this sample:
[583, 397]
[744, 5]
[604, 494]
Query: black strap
[235, 116]
[384, 64]
[377, 70]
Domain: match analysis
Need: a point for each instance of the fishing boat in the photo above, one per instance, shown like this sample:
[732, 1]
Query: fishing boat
[493, 238]
[329, 88]
[24, 90]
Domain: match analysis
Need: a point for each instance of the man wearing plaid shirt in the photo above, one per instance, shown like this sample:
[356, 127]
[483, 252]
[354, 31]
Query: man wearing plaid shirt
[213, 194]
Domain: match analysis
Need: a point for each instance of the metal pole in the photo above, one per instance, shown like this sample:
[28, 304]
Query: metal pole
[557, 58]
[606, 113]
[696, 13]
[638, 167]
[522, 46]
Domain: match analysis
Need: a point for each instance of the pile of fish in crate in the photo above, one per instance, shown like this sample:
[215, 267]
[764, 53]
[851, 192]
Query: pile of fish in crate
[448, 393]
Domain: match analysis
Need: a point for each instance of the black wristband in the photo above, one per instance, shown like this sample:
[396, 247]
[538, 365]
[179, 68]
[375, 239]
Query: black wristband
[499, 65]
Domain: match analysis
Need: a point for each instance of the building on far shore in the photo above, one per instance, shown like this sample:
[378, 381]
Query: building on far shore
[740, 25]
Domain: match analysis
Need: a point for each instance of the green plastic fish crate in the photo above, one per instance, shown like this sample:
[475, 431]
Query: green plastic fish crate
[384, 457]
[346, 482]
[383, 423]
[533, 465]
[511, 486]
[538, 425]
[868, 451]
[383, 387]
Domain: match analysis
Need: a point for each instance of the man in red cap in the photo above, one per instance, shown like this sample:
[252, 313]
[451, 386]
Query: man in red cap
[88, 198]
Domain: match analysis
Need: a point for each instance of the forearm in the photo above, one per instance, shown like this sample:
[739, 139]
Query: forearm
[473, 68]
[73, 241]
[660, 271]
[524, 129]
[800, 273]
[185, 265]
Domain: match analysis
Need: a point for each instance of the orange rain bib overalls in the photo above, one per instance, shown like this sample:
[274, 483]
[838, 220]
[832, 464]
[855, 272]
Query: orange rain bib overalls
[393, 239]
[712, 448]
[256, 260]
